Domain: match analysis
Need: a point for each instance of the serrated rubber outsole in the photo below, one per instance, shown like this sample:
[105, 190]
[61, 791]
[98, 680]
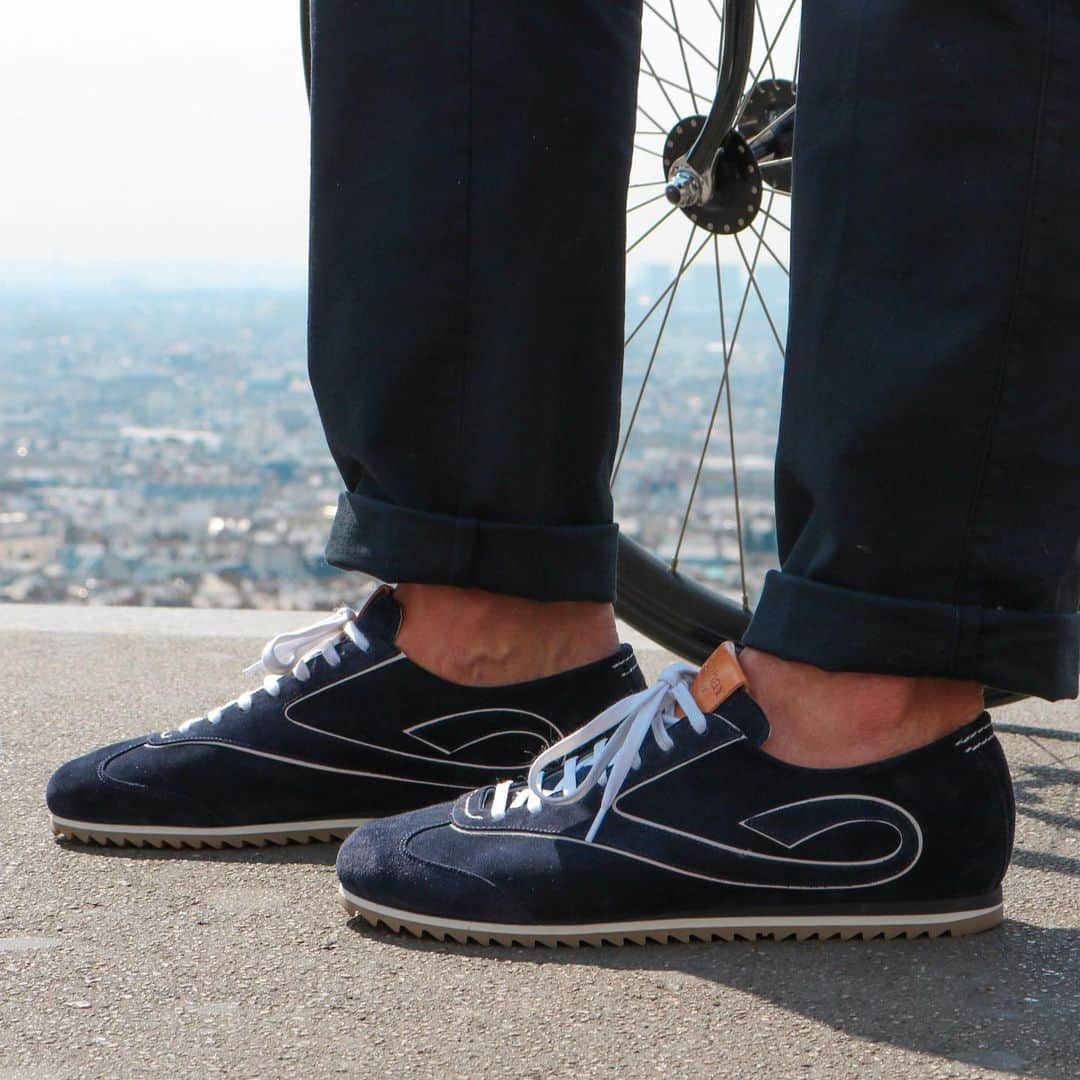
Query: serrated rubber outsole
[278, 833]
[799, 928]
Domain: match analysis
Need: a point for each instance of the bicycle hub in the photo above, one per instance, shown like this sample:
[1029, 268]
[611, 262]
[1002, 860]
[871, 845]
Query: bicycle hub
[725, 200]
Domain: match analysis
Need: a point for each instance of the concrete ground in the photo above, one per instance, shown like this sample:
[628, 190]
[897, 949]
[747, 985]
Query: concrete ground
[127, 962]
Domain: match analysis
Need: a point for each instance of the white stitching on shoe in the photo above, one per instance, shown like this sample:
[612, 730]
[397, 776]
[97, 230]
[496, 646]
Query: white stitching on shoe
[988, 726]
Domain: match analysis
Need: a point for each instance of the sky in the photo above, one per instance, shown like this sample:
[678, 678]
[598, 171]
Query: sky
[136, 132]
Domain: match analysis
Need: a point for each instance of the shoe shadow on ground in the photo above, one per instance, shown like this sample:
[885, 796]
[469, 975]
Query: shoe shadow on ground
[1007, 1000]
[1004, 1000]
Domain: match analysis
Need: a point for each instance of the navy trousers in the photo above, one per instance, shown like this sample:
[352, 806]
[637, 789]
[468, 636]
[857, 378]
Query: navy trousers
[469, 163]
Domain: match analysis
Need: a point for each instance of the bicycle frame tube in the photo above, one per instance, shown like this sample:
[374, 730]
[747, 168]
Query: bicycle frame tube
[734, 67]
[690, 179]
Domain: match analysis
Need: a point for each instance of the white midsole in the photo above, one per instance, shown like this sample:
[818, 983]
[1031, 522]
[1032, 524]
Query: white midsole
[659, 926]
[194, 830]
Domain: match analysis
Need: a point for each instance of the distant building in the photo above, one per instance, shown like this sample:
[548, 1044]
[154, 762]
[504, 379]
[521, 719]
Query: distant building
[29, 540]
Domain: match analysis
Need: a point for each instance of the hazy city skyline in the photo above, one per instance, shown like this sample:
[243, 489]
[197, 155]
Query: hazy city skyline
[163, 447]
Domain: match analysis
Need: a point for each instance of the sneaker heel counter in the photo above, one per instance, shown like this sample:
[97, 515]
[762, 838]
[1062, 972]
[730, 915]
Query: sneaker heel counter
[978, 822]
[1000, 769]
[993, 790]
[594, 689]
[623, 676]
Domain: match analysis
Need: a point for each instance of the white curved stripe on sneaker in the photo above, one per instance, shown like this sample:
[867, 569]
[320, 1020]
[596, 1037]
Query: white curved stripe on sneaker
[306, 764]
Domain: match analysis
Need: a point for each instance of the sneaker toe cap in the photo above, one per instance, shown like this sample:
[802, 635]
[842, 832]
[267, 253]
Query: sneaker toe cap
[414, 863]
[88, 789]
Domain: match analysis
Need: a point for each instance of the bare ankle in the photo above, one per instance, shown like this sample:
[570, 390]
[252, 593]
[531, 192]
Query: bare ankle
[481, 638]
[829, 719]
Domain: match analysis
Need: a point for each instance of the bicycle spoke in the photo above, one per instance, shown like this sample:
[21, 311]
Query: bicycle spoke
[646, 183]
[772, 44]
[684, 265]
[660, 299]
[775, 220]
[776, 258]
[715, 11]
[724, 389]
[745, 295]
[764, 36]
[690, 44]
[646, 202]
[646, 150]
[734, 470]
[657, 225]
[712, 415]
[731, 426]
[770, 48]
[770, 125]
[772, 163]
[660, 86]
[648, 116]
[682, 52]
[757, 290]
[674, 85]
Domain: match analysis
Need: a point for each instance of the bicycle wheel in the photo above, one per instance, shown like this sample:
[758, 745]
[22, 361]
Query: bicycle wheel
[706, 318]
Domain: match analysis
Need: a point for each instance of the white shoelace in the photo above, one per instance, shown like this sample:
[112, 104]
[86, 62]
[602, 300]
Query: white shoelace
[614, 739]
[289, 653]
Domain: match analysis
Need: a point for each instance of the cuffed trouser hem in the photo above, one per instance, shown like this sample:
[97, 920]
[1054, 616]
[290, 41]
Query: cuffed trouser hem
[540, 562]
[840, 629]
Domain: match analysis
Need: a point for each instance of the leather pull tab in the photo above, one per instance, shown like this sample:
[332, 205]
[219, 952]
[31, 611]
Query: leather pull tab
[720, 676]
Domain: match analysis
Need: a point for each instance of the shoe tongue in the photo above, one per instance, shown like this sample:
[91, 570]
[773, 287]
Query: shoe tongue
[721, 681]
[380, 618]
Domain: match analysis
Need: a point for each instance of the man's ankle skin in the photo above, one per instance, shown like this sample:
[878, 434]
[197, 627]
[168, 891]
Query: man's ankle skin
[817, 718]
[826, 719]
[480, 638]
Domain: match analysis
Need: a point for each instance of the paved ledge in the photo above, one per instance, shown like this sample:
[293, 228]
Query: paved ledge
[180, 622]
[144, 621]
[128, 963]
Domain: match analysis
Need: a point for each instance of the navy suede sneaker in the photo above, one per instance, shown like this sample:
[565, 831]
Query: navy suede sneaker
[346, 728]
[664, 819]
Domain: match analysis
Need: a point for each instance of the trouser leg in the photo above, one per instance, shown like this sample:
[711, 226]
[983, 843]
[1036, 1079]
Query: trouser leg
[928, 474]
[468, 185]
